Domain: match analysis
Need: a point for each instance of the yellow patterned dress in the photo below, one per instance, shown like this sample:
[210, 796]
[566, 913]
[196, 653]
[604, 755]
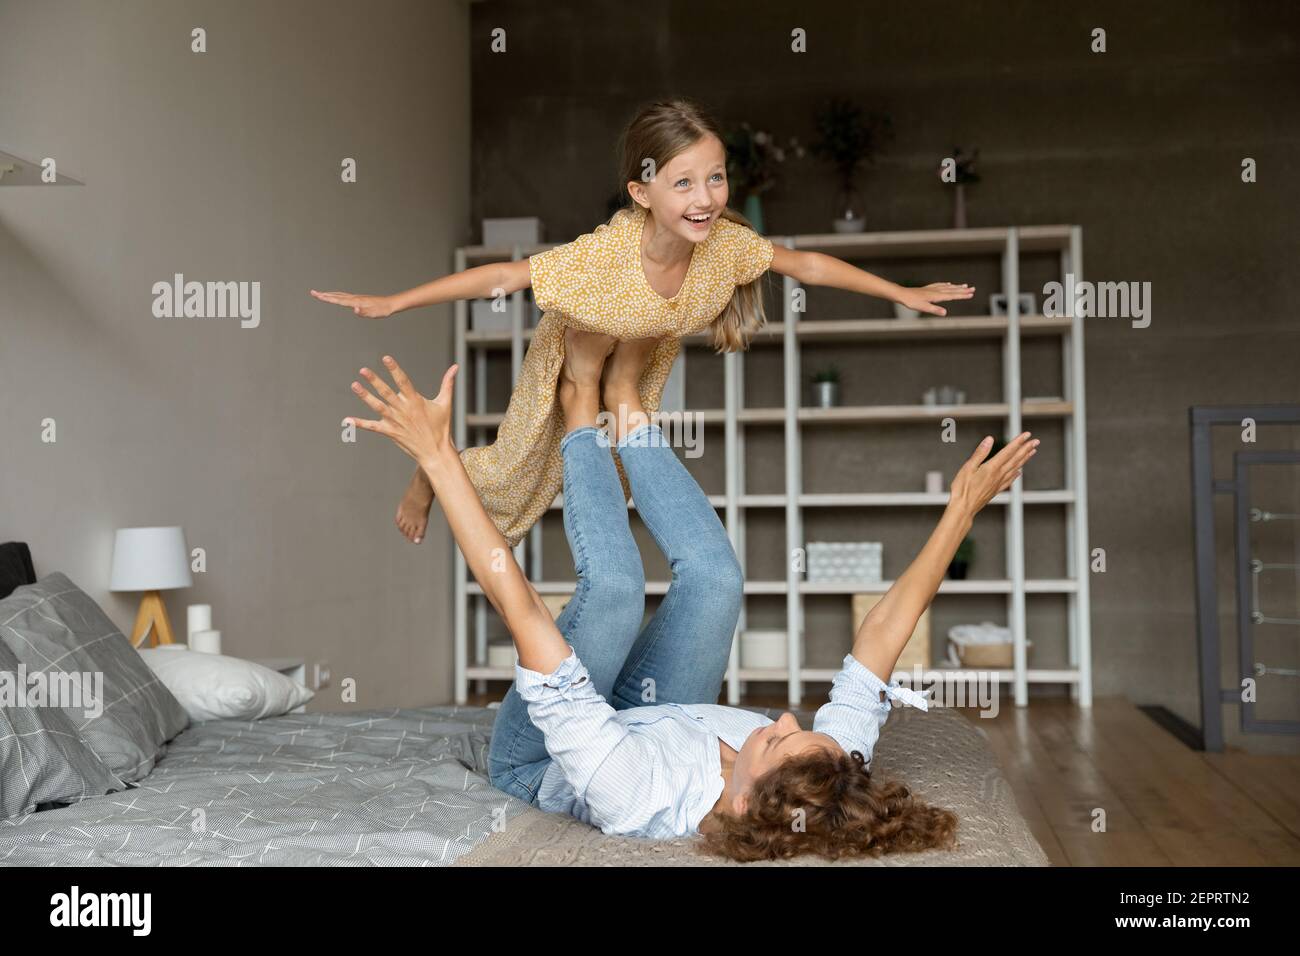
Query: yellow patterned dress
[596, 283]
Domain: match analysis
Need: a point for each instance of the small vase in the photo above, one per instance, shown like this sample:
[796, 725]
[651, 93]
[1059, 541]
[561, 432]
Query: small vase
[957, 571]
[959, 207]
[826, 394]
[753, 211]
[850, 211]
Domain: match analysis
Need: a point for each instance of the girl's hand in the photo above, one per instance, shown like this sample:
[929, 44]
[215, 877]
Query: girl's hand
[366, 306]
[978, 480]
[419, 426]
[922, 299]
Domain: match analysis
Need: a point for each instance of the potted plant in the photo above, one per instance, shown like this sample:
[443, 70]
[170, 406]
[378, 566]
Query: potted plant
[961, 560]
[848, 138]
[963, 173]
[752, 160]
[826, 387]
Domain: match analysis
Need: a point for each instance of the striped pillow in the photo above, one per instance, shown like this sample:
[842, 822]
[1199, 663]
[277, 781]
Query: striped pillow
[56, 629]
[42, 758]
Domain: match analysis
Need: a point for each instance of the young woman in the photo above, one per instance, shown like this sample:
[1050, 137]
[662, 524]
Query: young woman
[674, 261]
[621, 729]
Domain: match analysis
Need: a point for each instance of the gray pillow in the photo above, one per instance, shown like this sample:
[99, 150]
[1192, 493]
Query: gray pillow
[42, 760]
[54, 627]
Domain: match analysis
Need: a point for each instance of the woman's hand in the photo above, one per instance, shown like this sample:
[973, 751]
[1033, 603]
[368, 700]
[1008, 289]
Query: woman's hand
[366, 306]
[922, 299]
[978, 481]
[419, 426]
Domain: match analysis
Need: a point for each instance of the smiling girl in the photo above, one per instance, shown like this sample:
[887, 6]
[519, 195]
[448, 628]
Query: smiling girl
[675, 261]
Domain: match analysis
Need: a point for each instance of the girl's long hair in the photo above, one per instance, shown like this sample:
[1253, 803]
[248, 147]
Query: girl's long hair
[825, 802]
[659, 132]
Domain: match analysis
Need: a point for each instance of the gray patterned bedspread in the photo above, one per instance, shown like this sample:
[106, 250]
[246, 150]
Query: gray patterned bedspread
[409, 788]
[363, 788]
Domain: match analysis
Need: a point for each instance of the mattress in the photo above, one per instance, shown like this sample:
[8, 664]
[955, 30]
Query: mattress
[409, 787]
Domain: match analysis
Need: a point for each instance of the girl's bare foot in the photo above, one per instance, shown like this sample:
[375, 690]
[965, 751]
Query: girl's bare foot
[413, 510]
[620, 390]
[584, 356]
[579, 386]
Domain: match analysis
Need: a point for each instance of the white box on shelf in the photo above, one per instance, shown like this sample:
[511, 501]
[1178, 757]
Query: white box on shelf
[761, 649]
[525, 230]
[846, 561]
[502, 654]
[482, 317]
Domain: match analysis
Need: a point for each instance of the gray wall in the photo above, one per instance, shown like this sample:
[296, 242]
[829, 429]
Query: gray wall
[225, 166]
[1141, 146]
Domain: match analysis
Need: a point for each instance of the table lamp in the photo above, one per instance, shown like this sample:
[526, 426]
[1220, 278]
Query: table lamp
[150, 560]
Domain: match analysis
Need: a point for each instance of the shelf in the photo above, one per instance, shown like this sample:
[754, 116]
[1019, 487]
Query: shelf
[847, 414]
[946, 327]
[969, 586]
[781, 377]
[839, 330]
[895, 244]
[878, 499]
[934, 242]
[823, 675]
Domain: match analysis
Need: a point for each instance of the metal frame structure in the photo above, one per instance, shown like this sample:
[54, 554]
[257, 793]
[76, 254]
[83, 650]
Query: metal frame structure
[1202, 419]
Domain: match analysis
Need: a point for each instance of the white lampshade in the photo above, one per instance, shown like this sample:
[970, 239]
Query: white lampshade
[150, 559]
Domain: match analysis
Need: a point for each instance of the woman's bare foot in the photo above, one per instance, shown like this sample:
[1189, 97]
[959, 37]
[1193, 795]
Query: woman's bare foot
[579, 386]
[413, 509]
[620, 390]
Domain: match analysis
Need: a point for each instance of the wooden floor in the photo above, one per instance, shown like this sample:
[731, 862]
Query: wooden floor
[1165, 804]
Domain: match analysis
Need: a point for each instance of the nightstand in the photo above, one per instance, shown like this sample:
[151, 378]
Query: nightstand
[291, 667]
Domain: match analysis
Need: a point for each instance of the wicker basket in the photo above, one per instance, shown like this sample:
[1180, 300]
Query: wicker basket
[985, 655]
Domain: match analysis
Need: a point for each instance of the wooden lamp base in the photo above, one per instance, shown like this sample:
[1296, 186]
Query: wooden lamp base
[152, 620]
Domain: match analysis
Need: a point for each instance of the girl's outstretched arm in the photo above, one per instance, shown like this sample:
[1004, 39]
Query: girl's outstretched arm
[421, 428]
[817, 268]
[481, 282]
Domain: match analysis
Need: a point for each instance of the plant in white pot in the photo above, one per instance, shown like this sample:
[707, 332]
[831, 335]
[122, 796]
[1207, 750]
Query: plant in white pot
[903, 312]
[959, 170]
[826, 387]
[848, 138]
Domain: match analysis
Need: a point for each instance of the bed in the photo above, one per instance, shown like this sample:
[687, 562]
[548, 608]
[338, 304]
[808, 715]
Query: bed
[397, 787]
[409, 788]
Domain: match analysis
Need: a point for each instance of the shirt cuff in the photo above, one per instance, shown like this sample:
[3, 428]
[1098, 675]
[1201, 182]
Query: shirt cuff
[893, 689]
[569, 676]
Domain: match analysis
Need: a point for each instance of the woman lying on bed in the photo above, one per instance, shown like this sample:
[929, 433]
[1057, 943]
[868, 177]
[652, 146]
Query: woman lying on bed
[619, 725]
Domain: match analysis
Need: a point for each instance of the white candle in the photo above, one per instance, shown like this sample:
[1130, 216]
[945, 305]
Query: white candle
[198, 617]
[206, 642]
[934, 482]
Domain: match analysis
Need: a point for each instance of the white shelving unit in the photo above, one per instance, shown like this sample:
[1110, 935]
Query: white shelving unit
[788, 334]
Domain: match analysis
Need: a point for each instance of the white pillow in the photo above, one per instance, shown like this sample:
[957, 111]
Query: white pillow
[216, 687]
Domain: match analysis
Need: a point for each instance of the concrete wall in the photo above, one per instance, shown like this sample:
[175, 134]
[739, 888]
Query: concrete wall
[226, 166]
[1141, 146]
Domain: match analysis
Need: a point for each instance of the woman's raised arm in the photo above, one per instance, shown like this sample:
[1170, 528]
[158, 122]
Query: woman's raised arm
[480, 282]
[421, 428]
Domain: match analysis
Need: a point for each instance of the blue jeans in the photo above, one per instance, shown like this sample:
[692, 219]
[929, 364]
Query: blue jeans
[681, 655]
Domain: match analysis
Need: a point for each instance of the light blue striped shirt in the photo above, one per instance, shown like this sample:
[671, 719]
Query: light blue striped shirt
[656, 771]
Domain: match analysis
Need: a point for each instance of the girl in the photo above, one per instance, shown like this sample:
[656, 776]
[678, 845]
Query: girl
[675, 261]
[623, 730]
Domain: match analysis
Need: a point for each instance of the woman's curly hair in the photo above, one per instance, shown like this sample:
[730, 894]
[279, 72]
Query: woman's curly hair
[825, 802]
